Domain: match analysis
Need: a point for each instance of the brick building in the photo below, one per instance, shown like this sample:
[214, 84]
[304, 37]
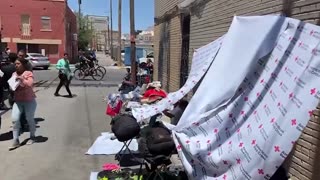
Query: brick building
[180, 30]
[47, 26]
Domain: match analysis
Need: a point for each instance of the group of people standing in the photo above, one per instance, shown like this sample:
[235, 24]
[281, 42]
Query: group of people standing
[24, 97]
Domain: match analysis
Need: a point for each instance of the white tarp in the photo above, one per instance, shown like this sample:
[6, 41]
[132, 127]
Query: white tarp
[251, 108]
[93, 176]
[201, 61]
[104, 145]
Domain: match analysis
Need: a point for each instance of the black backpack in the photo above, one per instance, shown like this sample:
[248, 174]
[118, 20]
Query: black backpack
[158, 140]
[125, 127]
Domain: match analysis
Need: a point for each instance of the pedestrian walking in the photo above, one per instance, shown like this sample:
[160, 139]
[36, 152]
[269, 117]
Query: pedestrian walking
[22, 55]
[65, 75]
[24, 102]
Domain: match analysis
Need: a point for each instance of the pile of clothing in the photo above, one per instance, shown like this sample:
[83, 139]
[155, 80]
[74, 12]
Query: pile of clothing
[147, 94]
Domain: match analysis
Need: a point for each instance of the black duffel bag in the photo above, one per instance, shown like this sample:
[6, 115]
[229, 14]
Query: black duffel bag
[159, 140]
[125, 127]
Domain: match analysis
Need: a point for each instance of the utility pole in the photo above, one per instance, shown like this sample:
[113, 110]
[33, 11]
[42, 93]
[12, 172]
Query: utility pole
[111, 40]
[133, 44]
[79, 11]
[119, 33]
[105, 40]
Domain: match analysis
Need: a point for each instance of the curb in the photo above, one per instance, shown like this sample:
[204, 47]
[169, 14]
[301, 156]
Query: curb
[54, 65]
[72, 66]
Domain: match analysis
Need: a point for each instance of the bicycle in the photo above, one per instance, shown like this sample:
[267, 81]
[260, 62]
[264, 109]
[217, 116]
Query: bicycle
[103, 69]
[80, 73]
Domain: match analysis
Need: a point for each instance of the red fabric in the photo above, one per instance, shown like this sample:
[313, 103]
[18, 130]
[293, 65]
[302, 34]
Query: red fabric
[153, 92]
[113, 111]
[147, 79]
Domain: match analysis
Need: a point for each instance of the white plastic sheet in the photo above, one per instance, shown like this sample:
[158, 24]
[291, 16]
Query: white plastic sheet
[202, 59]
[93, 176]
[254, 102]
[104, 145]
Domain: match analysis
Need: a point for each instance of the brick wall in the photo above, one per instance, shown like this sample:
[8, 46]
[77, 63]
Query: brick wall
[175, 54]
[213, 18]
[167, 45]
[167, 48]
[156, 42]
[303, 160]
[163, 6]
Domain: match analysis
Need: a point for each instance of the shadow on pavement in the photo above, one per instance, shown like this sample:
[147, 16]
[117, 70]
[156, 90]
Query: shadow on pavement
[38, 139]
[38, 120]
[128, 160]
[6, 136]
[67, 96]
[25, 126]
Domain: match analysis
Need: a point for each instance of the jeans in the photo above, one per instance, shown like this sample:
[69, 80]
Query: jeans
[29, 109]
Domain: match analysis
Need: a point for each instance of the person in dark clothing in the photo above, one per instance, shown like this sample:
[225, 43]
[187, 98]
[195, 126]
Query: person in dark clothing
[65, 75]
[84, 62]
[22, 55]
[8, 69]
[149, 66]
[128, 75]
[2, 104]
[177, 111]
[127, 85]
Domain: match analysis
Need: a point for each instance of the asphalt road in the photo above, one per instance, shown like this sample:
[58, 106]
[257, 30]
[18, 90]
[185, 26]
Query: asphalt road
[66, 129]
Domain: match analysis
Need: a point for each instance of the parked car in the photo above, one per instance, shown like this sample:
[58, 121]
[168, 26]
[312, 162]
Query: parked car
[38, 60]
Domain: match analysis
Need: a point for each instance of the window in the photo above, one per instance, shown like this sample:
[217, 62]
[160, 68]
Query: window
[25, 25]
[45, 23]
[25, 19]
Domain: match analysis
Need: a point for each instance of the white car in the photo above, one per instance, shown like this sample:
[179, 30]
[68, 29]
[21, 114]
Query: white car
[38, 60]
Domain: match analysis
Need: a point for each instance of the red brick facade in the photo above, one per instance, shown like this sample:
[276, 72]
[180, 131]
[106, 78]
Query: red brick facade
[42, 26]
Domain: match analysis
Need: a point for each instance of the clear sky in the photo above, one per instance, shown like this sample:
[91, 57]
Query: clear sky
[144, 12]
